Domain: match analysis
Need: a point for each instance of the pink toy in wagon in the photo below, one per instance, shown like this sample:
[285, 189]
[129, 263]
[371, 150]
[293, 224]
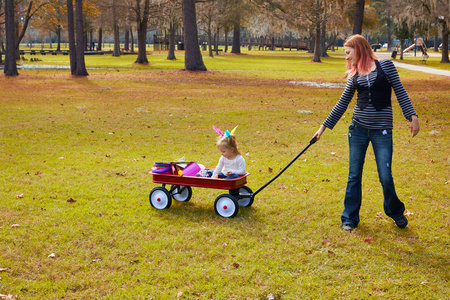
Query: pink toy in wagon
[230, 174]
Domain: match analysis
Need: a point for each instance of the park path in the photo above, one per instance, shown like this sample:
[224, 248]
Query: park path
[422, 69]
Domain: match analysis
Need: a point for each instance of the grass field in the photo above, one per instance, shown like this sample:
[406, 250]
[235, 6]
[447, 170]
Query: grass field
[76, 223]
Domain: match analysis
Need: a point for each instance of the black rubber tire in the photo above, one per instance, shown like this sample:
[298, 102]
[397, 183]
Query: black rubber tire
[160, 198]
[226, 206]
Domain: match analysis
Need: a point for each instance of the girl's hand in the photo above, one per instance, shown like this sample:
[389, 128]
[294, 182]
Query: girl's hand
[229, 173]
[319, 132]
[415, 127]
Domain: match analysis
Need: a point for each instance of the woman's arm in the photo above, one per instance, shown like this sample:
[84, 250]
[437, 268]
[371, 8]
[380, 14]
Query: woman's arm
[341, 106]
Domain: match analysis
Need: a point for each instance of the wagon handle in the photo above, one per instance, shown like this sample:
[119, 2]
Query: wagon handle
[313, 140]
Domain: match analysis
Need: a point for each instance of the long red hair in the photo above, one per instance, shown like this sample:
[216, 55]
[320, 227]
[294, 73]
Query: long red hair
[363, 54]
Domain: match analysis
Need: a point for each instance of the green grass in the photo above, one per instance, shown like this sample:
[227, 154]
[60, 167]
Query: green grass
[94, 140]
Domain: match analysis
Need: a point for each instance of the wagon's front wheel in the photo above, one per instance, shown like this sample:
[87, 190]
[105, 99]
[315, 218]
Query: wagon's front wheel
[160, 198]
[181, 193]
[226, 206]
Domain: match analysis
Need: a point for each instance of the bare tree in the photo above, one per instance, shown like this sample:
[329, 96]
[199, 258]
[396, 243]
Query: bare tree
[142, 11]
[193, 60]
[81, 67]
[31, 10]
[359, 16]
[72, 46]
[172, 18]
[10, 55]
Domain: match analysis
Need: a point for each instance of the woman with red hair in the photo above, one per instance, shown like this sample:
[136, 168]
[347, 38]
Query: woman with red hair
[372, 122]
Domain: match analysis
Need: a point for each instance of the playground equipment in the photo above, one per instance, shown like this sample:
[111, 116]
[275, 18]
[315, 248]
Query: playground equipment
[418, 44]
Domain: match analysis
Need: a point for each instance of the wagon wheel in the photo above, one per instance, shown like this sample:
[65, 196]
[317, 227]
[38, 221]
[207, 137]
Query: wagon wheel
[226, 206]
[160, 198]
[244, 196]
[181, 192]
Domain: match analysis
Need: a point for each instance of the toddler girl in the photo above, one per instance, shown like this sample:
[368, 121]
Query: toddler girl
[231, 163]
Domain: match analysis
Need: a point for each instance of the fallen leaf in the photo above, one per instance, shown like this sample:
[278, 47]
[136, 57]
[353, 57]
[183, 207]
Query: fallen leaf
[331, 252]
[19, 196]
[235, 265]
[368, 239]
[7, 297]
[380, 215]
[52, 255]
[15, 225]
[270, 170]
[71, 200]
[326, 242]
[179, 294]
[424, 282]
[38, 173]
[408, 213]
[4, 269]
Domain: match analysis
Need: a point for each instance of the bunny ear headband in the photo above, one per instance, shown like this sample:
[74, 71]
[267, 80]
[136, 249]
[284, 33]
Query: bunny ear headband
[227, 133]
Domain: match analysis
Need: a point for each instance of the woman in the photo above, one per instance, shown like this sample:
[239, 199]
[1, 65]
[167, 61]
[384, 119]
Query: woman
[372, 122]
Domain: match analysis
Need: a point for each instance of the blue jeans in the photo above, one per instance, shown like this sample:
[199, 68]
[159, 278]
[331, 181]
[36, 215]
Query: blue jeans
[223, 176]
[359, 139]
[232, 176]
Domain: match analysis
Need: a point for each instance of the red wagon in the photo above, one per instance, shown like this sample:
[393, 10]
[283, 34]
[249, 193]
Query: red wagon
[226, 205]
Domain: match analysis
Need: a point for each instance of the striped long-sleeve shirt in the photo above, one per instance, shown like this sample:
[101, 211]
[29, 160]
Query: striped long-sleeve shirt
[369, 117]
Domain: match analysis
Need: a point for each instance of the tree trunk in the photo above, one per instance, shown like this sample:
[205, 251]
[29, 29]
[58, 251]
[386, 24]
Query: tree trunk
[71, 29]
[323, 47]
[81, 67]
[316, 57]
[100, 39]
[436, 43]
[171, 54]
[132, 39]
[1, 49]
[91, 40]
[58, 35]
[126, 45]
[402, 42]
[116, 51]
[193, 60]
[226, 41]
[216, 40]
[236, 46]
[142, 35]
[359, 16]
[10, 54]
[445, 32]
[210, 50]
[85, 40]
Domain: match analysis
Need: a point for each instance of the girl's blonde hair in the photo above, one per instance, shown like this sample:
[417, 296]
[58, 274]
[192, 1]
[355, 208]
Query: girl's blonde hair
[363, 54]
[229, 142]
